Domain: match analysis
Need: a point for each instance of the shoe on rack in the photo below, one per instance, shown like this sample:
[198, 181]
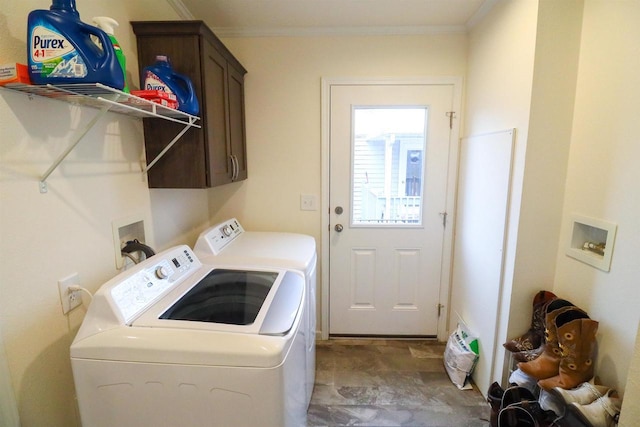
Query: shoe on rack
[528, 355]
[602, 412]
[534, 337]
[577, 342]
[547, 364]
[494, 397]
[584, 394]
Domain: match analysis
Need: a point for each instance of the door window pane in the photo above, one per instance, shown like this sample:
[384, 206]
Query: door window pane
[388, 147]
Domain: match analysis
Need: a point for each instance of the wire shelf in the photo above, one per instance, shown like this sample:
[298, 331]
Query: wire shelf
[98, 96]
[105, 99]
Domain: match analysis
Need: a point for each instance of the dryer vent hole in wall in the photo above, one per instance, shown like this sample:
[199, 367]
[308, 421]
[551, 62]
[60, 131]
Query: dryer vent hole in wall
[137, 247]
[127, 230]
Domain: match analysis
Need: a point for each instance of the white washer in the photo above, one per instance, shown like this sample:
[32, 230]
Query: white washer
[229, 244]
[173, 341]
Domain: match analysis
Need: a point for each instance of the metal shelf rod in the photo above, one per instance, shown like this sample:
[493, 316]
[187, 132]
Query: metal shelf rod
[65, 153]
[152, 114]
[165, 149]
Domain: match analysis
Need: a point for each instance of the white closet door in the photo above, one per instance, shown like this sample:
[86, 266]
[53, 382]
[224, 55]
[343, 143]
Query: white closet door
[483, 202]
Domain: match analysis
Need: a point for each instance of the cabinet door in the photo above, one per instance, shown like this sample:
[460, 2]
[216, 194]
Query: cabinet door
[237, 137]
[218, 151]
[184, 165]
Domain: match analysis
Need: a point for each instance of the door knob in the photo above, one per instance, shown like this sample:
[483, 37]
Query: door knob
[338, 228]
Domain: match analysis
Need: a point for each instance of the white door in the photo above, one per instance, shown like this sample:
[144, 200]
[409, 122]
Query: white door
[389, 158]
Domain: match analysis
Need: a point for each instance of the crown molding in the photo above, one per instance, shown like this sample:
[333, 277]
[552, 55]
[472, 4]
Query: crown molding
[182, 10]
[185, 14]
[337, 31]
[487, 5]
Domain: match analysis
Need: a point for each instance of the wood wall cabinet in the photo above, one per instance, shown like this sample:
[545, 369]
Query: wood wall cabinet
[216, 153]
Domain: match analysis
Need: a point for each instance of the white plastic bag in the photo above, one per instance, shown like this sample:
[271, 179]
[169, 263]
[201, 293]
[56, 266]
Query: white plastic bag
[461, 356]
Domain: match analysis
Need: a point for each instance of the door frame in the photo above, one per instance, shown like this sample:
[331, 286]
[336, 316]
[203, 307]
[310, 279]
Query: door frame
[452, 175]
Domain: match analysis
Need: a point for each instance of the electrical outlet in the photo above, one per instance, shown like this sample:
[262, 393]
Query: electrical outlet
[69, 299]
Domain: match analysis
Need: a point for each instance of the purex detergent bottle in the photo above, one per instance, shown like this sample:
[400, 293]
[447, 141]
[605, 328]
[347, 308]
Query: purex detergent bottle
[61, 51]
[161, 76]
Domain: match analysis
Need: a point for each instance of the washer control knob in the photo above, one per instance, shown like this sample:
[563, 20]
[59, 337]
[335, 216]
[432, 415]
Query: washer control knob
[226, 230]
[161, 272]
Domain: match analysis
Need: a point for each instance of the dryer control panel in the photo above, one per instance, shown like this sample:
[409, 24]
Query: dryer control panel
[143, 285]
[217, 237]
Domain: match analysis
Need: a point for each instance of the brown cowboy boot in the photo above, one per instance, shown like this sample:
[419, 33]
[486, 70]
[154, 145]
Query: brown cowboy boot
[534, 337]
[547, 364]
[528, 355]
[577, 342]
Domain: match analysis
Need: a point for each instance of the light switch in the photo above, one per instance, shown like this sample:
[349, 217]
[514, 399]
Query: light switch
[308, 202]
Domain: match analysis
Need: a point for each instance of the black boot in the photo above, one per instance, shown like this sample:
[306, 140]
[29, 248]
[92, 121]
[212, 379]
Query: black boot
[494, 397]
[520, 408]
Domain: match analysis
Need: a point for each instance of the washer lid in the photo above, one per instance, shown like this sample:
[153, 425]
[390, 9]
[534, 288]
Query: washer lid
[256, 301]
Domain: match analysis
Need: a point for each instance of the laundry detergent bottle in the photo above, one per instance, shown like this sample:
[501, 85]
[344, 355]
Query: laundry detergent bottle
[61, 50]
[108, 25]
[161, 76]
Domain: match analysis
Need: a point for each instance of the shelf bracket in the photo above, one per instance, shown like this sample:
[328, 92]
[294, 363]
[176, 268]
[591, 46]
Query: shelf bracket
[169, 145]
[104, 98]
[65, 153]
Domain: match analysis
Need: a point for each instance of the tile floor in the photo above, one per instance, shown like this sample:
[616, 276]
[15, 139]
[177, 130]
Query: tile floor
[389, 383]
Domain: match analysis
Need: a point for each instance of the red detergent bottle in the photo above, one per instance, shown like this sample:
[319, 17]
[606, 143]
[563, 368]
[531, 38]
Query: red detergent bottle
[161, 76]
[61, 49]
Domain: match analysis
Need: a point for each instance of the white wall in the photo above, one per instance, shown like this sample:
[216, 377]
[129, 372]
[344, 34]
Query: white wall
[45, 237]
[578, 124]
[603, 177]
[522, 73]
[499, 76]
[545, 163]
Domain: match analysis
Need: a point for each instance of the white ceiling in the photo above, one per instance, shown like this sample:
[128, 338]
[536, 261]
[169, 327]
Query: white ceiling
[312, 17]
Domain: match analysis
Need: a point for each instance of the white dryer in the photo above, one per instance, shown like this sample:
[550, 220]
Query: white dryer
[228, 244]
[175, 342]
